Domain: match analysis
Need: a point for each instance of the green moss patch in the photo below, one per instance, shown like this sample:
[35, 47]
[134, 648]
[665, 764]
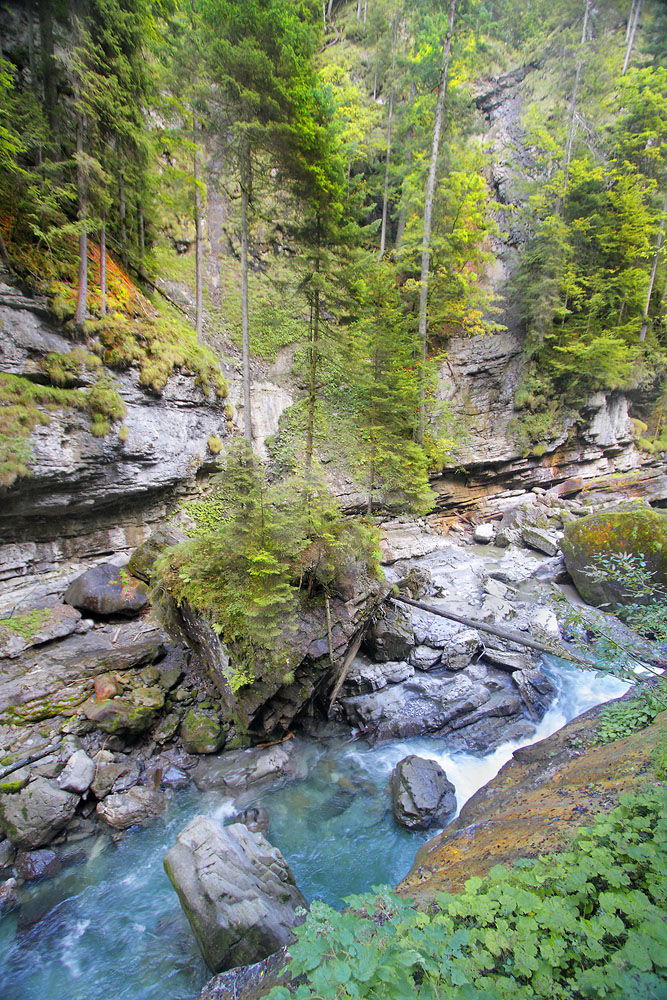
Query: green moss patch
[29, 624]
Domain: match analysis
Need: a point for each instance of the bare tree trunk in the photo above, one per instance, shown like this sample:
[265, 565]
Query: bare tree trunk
[142, 239]
[631, 18]
[314, 346]
[385, 197]
[82, 293]
[48, 62]
[631, 40]
[199, 297]
[403, 211]
[245, 323]
[428, 209]
[572, 111]
[329, 9]
[103, 265]
[654, 271]
[358, 10]
[365, 11]
[122, 212]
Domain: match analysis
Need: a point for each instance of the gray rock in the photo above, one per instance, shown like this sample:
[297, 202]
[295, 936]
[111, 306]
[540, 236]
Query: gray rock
[78, 773]
[515, 567]
[7, 854]
[391, 638]
[255, 818]
[541, 540]
[424, 657]
[507, 660]
[421, 794]
[9, 897]
[242, 769]
[35, 865]
[33, 816]
[49, 623]
[134, 808]
[364, 676]
[108, 590]
[143, 559]
[235, 889]
[461, 649]
[536, 690]
[483, 533]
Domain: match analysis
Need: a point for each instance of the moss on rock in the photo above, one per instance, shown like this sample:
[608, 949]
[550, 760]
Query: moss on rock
[201, 733]
[640, 532]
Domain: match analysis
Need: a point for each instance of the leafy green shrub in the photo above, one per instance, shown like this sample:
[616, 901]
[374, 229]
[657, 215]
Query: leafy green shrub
[214, 444]
[623, 718]
[585, 923]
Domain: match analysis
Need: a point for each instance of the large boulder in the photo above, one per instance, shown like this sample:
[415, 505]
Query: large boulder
[236, 890]
[421, 793]
[78, 773]
[639, 532]
[108, 590]
[391, 637]
[143, 559]
[33, 816]
[201, 733]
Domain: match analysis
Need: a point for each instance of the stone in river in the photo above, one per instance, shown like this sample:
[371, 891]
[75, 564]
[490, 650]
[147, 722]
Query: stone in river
[236, 890]
[78, 773]
[422, 795]
[134, 808]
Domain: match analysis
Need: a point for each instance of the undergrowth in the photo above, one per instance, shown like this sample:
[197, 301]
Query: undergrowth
[589, 922]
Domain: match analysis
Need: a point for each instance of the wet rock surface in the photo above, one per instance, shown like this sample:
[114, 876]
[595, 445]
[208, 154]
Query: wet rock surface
[236, 890]
[421, 794]
[108, 590]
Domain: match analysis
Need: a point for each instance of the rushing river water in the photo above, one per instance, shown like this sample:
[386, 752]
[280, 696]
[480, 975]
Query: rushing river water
[111, 927]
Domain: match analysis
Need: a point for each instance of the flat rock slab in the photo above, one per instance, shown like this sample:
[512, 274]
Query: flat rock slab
[108, 590]
[236, 890]
[242, 769]
[33, 816]
[35, 627]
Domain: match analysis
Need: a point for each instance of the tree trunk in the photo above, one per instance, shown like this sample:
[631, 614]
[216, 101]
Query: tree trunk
[428, 209]
[103, 265]
[385, 196]
[631, 18]
[654, 271]
[359, 10]
[199, 296]
[245, 323]
[365, 11]
[122, 212]
[403, 211]
[329, 8]
[82, 293]
[142, 239]
[314, 344]
[572, 111]
[631, 40]
[48, 62]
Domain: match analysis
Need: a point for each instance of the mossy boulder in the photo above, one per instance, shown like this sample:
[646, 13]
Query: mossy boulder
[201, 733]
[120, 716]
[108, 590]
[143, 559]
[639, 532]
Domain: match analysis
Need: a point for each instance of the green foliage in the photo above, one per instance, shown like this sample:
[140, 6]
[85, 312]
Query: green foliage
[66, 369]
[623, 718]
[28, 623]
[256, 550]
[588, 923]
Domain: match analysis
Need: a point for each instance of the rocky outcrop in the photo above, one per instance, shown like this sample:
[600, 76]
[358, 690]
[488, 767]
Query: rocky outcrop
[88, 495]
[533, 805]
[135, 807]
[421, 793]
[235, 889]
[609, 536]
[297, 669]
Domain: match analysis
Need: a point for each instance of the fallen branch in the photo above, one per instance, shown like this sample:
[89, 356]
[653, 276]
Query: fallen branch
[509, 634]
[347, 663]
[27, 760]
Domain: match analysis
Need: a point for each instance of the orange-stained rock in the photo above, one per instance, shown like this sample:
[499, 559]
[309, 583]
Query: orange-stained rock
[106, 686]
[534, 803]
